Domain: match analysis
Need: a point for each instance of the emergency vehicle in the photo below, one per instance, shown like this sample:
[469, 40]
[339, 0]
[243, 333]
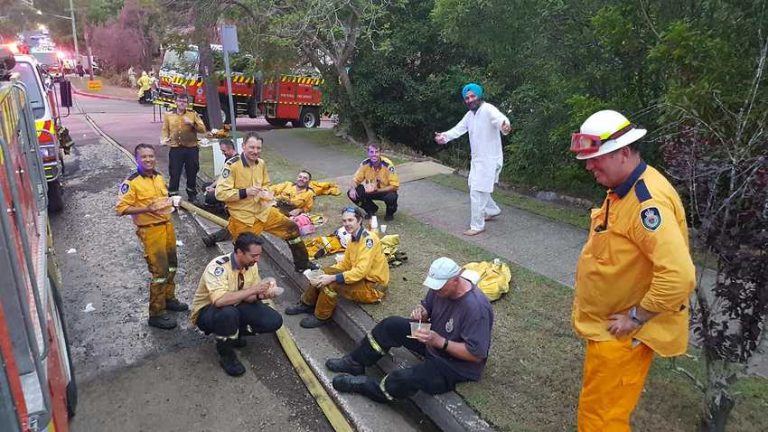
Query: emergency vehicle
[37, 384]
[281, 99]
[50, 61]
[52, 137]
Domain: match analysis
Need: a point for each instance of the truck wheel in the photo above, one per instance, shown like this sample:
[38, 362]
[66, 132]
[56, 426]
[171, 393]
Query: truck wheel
[309, 118]
[55, 196]
[276, 122]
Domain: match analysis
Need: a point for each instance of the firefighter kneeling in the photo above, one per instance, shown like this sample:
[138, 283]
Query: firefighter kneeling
[361, 276]
[228, 301]
[455, 349]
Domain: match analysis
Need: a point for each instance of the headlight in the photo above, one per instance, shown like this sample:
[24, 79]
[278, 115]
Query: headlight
[48, 153]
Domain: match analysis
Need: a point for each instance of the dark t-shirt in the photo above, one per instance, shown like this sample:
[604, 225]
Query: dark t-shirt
[467, 319]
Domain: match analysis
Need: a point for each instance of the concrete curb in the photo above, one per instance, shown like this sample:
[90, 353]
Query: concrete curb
[448, 411]
[98, 96]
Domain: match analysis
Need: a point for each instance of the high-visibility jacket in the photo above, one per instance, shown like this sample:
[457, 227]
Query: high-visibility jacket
[238, 175]
[178, 133]
[288, 192]
[139, 190]
[382, 176]
[221, 276]
[637, 254]
[363, 259]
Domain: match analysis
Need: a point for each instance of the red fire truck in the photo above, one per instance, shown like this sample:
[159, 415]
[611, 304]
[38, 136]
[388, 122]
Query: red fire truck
[37, 383]
[282, 99]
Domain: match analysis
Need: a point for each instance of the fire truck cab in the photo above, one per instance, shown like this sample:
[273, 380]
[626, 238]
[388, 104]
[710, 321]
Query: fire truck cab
[37, 382]
[281, 99]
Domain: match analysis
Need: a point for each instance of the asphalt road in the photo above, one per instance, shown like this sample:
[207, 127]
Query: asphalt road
[132, 377]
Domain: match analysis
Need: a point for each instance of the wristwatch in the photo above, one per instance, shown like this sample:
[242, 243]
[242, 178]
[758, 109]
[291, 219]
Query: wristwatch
[445, 345]
[633, 316]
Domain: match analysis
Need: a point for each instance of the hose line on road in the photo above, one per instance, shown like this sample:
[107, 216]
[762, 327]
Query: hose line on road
[323, 399]
[329, 408]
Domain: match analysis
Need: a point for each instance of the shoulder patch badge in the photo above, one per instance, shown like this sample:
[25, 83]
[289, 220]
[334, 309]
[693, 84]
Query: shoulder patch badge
[218, 271]
[392, 169]
[449, 326]
[369, 243]
[124, 188]
[225, 173]
[651, 218]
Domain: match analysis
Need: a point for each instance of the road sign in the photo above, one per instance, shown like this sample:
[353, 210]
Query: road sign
[229, 38]
[94, 85]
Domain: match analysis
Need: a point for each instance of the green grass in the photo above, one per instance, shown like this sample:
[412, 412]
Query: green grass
[568, 215]
[328, 139]
[533, 376]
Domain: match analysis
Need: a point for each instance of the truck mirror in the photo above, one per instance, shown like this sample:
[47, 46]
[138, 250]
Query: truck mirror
[65, 91]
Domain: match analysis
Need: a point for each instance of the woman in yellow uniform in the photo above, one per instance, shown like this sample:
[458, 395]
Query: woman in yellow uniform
[362, 276]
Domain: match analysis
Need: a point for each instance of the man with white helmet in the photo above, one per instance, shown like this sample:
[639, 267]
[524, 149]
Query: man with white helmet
[483, 121]
[634, 275]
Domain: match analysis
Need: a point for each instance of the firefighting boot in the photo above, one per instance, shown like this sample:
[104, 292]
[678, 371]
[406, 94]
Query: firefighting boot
[221, 235]
[164, 321]
[301, 260]
[228, 359]
[176, 306]
[359, 384]
[299, 308]
[345, 365]
[311, 322]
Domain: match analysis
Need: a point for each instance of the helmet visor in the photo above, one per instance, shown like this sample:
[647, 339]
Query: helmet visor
[583, 143]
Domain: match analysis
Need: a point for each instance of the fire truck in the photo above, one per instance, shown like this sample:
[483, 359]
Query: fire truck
[280, 99]
[37, 383]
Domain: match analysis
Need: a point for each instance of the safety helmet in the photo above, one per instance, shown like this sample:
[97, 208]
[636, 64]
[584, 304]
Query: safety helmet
[603, 132]
[344, 237]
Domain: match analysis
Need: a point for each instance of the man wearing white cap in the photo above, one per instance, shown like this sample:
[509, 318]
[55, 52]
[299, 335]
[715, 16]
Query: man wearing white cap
[484, 122]
[634, 275]
[455, 349]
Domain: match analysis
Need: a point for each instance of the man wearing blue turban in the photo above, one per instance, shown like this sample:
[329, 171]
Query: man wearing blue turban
[483, 121]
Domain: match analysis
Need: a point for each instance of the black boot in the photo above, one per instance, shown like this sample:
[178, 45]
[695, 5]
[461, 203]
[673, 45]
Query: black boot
[164, 321]
[345, 365]
[299, 308]
[228, 359]
[301, 260]
[176, 306]
[221, 235]
[359, 384]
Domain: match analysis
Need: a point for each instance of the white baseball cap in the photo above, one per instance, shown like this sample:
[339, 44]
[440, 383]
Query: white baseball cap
[441, 270]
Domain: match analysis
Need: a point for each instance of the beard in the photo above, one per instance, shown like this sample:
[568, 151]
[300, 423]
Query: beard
[474, 105]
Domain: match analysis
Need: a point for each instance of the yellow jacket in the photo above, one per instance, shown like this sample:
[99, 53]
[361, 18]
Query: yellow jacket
[220, 277]
[640, 258]
[179, 134]
[237, 176]
[363, 259]
[382, 176]
[286, 191]
[140, 191]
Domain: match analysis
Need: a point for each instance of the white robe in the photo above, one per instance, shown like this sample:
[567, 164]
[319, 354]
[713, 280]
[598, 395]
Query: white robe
[484, 127]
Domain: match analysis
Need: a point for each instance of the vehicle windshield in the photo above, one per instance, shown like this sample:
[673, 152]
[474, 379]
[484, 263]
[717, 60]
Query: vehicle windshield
[186, 62]
[46, 58]
[27, 75]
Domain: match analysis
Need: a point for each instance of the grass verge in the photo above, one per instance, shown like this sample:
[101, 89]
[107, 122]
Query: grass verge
[81, 84]
[533, 376]
[328, 139]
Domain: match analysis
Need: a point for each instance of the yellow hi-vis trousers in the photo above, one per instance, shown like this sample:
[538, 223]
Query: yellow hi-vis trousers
[614, 376]
[325, 298]
[160, 252]
[276, 224]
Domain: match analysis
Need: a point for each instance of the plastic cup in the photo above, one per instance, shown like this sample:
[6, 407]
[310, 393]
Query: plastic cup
[415, 325]
[383, 229]
[176, 200]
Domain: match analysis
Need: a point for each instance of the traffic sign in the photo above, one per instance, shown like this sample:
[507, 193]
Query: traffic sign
[94, 85]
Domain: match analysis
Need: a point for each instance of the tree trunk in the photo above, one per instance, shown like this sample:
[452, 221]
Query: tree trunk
[211, 80]
[347, 84]
[718, 401]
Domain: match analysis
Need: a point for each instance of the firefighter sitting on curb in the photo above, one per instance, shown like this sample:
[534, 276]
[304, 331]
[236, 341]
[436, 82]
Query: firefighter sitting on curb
[455, 349]
[244, 190]
[143, 195]
[362, 276]
[295, 198]
[229, 151]
[376, 179]
[228, 301]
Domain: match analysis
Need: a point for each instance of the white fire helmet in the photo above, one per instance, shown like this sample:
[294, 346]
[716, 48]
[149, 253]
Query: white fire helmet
[603, 132]
[344, 236]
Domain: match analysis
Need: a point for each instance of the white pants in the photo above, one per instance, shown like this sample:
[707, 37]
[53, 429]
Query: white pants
[481, 205]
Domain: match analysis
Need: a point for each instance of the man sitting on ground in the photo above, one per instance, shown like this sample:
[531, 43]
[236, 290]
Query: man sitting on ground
[455, 349]
[295, 198]
[228, 301]
[229, 151]
[376, 179]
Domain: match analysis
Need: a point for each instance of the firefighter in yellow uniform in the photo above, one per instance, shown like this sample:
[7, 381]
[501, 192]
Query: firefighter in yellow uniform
[361, 276]
[375, 179]
[295, 198]
[144, 197]
[244, 189]
[634, 275]
[179, 131]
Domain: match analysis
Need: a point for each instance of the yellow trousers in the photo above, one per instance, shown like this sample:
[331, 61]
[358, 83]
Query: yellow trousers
[276, 224]
[160, 252]
[614, 376]
[325, 298]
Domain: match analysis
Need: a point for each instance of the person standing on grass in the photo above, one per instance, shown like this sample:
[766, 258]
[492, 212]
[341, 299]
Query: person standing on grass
[634, 276]
[483, 121]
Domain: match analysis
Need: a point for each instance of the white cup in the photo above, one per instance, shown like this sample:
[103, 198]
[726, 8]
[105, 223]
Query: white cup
[383, 229]
[415, 325]
[374, 222]
[176, 200]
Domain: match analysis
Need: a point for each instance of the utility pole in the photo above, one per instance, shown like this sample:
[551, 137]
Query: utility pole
[74, 32]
